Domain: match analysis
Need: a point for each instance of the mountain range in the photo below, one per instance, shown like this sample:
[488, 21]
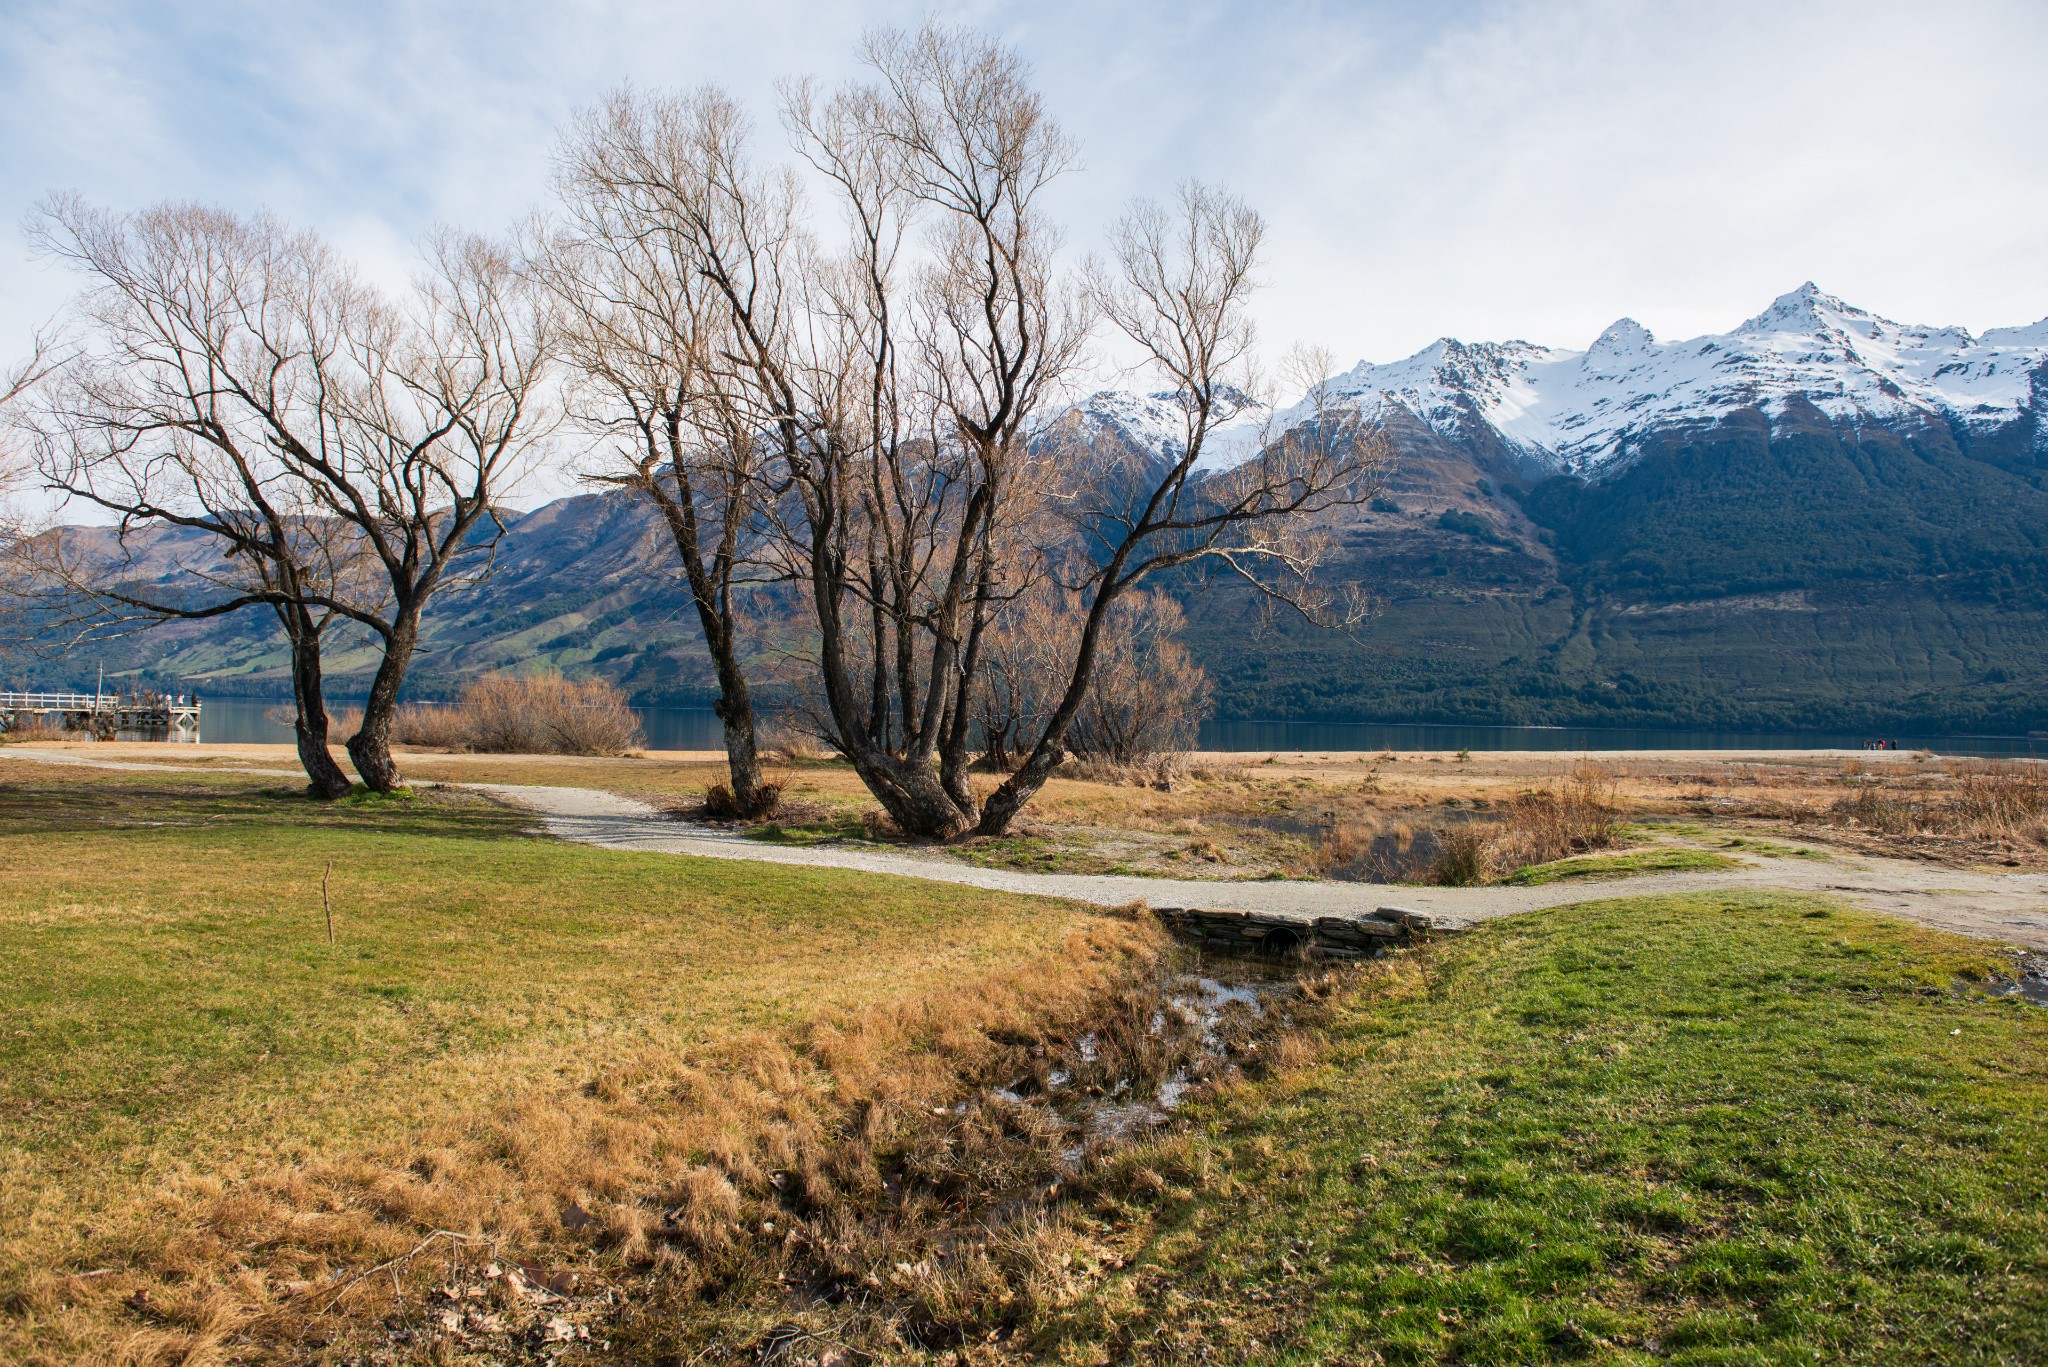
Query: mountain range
[1821, 518]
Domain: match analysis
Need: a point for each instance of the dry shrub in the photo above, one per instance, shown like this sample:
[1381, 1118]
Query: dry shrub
[432, 726]
[30, 730]
[1373, 848]
[507, 714]
[1967, 799]
[1573, 816]
[546, 714]
[1465, 856]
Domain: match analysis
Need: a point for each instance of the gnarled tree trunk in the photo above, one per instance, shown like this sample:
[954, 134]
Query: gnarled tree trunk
[324, 777]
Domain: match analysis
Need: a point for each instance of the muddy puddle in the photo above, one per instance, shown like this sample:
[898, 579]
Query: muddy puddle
[2028, 981]
[1206, 1022]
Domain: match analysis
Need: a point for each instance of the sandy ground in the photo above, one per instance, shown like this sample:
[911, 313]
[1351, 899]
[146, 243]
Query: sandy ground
[2010, 907]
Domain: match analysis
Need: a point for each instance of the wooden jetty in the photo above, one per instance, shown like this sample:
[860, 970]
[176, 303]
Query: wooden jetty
[175, 716]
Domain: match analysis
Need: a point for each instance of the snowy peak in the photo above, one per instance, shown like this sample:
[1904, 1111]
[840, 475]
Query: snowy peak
[1623, 339]
[1807, 311]
[1585, 411]
[1157, 425]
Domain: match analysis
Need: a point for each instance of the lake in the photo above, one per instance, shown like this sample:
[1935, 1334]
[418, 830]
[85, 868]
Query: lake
[245, 721]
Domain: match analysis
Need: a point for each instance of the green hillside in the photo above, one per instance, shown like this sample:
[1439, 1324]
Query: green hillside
[1751, 575]
[1734, 577]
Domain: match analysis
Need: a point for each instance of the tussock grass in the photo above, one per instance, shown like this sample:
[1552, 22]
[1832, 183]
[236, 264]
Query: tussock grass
[206, 1110]
[1571, 816]
[1979, 801]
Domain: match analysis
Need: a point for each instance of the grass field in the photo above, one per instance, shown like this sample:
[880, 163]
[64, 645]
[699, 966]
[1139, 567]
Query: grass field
[1712, 1129]
[177, 1031]
[1702, 1129]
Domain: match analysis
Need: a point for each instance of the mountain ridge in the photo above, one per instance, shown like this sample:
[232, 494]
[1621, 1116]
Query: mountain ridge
[1584, 412]
[1820, 520]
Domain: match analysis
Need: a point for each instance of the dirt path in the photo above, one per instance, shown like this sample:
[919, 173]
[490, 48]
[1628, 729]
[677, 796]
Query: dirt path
[2007, 907]
[2010, 907]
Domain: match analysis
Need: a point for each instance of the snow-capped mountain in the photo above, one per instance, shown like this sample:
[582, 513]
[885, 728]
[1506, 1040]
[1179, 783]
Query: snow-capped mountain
[1581, 412]
[1156, 424]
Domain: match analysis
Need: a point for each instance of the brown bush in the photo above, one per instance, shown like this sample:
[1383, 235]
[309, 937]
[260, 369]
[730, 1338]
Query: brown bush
[1994, 800]
[29, 730]
[1571, 817]
[432, 725]
[546, 714]
[1465, 856]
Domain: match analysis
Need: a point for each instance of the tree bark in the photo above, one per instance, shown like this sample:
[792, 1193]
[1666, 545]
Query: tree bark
[370, 746]
[324, 777]
[735, 711]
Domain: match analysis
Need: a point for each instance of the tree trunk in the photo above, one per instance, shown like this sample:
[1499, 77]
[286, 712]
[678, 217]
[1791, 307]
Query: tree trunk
[370, 747]
[1019, 788]
[325, 779]
[916, 799]
[751, 797]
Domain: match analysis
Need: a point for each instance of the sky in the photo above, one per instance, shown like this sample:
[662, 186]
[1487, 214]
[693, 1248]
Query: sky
[1478, 170]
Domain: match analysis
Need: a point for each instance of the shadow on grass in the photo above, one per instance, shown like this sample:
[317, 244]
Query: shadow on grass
[115, 801]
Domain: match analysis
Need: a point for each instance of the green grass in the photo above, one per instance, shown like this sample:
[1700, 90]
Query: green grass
[1618, 866]
[1710, 1129]
[1771, 849]
[815, 831]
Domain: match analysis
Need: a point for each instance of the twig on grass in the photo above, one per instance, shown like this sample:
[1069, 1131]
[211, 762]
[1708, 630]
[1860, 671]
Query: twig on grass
[393, 1264]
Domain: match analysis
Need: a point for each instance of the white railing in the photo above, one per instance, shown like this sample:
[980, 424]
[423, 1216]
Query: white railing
[92, 702]
[68, 701]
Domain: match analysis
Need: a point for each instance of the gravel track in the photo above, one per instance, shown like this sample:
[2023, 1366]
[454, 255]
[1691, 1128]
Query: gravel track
[2010, 907]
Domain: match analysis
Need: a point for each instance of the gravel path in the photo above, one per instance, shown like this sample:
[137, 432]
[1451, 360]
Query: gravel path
[2011, 907]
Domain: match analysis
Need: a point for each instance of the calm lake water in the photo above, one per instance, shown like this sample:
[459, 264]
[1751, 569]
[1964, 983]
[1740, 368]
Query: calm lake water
[240, 720]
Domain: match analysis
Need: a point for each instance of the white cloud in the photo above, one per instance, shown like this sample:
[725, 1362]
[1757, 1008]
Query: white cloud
[1479, 170]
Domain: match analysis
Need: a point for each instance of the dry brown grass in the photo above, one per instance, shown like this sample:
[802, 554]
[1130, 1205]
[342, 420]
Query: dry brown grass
[504, 1028]
[659, 1162]
[1969, 800]
[1574, 815]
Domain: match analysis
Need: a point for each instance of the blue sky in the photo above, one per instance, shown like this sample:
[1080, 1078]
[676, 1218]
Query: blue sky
[1478, 170]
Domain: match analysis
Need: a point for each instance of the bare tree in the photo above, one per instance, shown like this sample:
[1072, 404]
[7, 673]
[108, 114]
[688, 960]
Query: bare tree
[897, 392]
[1148, 696]
[1178, 290]
[663, 201]
[341, 454]
[17, 455]
[908, 420]
[439, 414]
[202, 339]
